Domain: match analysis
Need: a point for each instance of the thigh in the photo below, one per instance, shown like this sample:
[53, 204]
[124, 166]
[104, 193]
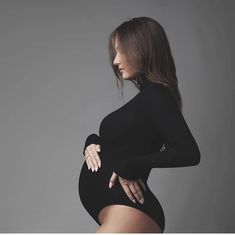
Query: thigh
[122, 218]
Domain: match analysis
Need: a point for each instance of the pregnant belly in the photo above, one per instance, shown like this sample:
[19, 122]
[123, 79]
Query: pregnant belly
[94, 181]
[94, 186]
[95, 194]
[97, 183]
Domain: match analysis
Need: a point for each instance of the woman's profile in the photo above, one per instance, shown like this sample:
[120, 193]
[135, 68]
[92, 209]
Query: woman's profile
[147, 132]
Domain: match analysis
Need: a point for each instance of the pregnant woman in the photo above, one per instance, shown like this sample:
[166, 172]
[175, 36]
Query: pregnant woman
[147, 132]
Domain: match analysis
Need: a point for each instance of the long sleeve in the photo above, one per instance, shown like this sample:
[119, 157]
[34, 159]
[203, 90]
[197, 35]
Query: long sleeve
[91, 139]
[165, 118]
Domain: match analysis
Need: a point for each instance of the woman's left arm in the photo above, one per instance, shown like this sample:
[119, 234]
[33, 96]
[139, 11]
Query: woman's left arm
[166, 119]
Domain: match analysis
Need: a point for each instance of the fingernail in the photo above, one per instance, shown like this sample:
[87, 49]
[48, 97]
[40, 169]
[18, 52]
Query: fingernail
[99, 165]
[141, 201]
[134, 200]
[110, 185]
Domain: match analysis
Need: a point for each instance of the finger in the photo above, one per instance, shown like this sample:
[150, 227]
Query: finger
[98, 147]
[88, 163]
[96, 158]
[128, 192]
[86, 159]
[91, 160]
[112, 179]
[94, 162]
[136, 191]
[94, 153]
[142, 184]
[98, 150]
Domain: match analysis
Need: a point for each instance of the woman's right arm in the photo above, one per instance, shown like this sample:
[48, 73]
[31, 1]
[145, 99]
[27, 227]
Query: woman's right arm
[92, 157]
[91, 139]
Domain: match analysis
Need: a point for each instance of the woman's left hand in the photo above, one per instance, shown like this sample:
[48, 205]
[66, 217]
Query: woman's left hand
[131, 187]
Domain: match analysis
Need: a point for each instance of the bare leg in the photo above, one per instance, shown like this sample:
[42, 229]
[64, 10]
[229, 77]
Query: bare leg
[125, 219]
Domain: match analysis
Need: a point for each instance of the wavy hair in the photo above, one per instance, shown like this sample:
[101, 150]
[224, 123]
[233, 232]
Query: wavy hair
[144, 43]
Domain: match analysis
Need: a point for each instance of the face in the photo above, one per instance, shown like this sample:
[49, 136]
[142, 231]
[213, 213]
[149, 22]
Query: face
[119, 61]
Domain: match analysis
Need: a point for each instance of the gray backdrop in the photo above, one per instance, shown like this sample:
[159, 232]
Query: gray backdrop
[56, 85]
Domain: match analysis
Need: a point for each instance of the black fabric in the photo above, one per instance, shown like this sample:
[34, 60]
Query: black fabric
[131, 140]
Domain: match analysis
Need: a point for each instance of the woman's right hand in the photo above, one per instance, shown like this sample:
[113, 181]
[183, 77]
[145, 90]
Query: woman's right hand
[92, 158]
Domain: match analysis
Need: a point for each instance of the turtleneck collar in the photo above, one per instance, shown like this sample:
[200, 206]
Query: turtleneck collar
[142, 82]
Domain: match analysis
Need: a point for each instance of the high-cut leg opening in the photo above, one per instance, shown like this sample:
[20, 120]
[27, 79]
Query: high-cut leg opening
[143, 212]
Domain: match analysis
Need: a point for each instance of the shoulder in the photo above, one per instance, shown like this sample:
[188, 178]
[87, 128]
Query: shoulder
[159, 99]
[157, 93]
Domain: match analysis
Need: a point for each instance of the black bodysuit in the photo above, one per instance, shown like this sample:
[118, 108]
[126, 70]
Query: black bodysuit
[130, 140]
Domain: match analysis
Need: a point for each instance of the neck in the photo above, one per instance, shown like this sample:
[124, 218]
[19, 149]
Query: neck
[142, 81]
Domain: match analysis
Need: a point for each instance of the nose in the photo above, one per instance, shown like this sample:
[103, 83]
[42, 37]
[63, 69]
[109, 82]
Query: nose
[116, 60]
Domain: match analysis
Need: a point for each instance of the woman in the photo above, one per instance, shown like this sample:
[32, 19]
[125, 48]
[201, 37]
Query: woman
[147, 132]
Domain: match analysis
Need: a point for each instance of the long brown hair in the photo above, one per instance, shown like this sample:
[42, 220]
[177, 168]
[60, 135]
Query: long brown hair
[146, 48]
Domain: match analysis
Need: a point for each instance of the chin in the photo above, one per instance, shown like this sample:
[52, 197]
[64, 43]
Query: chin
[124, 76]
[127, 76]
